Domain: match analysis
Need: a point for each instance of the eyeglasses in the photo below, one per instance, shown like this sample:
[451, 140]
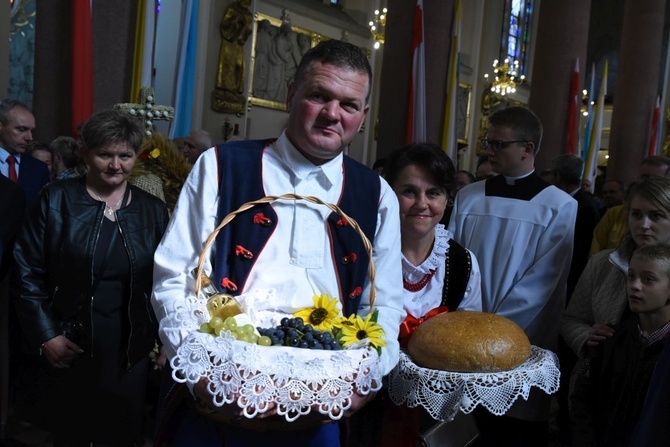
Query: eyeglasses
[497, 145]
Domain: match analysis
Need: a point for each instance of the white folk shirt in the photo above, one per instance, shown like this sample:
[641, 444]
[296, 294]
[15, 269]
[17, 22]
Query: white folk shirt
[420, 303]
[296, 261]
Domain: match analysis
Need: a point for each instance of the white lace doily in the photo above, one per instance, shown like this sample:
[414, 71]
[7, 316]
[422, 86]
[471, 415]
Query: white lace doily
[443, 393]
[298, 380]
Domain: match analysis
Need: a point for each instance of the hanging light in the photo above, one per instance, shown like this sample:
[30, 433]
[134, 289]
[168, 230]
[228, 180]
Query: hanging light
[377, 27]
[506, 78]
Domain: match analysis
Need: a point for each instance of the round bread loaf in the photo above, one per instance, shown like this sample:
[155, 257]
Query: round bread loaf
[466, 341]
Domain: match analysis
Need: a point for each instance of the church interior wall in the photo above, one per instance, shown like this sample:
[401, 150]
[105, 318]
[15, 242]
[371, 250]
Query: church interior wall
[165, 61]
[480, 31]
[113, 50]
[480, 43]
[4, 46]
[261, 122]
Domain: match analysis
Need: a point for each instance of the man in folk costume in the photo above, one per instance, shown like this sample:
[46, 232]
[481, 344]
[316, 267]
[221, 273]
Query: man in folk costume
[296, 249]
[521, 230]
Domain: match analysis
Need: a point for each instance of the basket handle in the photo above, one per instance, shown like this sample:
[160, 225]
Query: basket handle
[268, 199]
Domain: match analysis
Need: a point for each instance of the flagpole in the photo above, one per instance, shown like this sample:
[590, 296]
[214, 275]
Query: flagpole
[573, 110]
[664, 94]
[449, 137]
[416, 107]
[653, 138]
[589, 114]
[596, 131]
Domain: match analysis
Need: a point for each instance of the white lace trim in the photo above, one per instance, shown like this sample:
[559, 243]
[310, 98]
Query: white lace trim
[298, 380]
[435, 260]
[443, 393]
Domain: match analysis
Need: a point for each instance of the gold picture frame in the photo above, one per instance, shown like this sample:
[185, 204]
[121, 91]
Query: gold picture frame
[277, 49]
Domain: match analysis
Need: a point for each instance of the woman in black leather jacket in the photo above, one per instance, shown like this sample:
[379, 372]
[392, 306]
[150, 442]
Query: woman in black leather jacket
[85, 266]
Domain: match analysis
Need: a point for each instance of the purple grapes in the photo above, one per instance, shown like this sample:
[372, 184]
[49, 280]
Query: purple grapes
[295, 333]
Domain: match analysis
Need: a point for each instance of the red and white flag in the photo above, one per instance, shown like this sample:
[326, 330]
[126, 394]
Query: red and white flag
[449, 128]
[416, 116]
[573, 111]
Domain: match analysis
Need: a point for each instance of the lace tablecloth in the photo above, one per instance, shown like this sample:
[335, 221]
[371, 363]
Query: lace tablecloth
[443, 393]
[255, 376]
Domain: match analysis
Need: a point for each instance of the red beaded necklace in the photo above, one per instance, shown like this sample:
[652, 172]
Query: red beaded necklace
[416, 286]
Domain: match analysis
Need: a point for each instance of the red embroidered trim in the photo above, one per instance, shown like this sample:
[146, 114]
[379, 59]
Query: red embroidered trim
[356, 292]
[228, 284]
[260, 219]
[350, 258]
[239, 250]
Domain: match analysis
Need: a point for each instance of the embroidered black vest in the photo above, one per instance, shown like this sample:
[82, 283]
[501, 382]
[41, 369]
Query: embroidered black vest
[239, 243]
[458, 268]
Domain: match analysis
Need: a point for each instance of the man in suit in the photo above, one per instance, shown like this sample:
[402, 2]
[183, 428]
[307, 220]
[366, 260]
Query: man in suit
[16, 126]
[12, 198]
[567, 169]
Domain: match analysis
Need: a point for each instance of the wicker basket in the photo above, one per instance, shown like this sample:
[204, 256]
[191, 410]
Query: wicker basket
[296, 380]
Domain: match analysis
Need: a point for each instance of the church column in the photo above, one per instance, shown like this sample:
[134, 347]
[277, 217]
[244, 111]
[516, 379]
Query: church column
[562, 37]
[52, 86]
[637, 87]
[397, 66]
[113, 45]
[113, 50]
[4, 47]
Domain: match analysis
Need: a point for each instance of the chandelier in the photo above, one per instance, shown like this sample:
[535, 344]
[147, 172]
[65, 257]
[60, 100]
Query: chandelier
[505, 77]
[377, 27]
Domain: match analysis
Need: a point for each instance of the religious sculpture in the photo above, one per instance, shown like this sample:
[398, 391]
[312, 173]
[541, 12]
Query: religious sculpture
[235, 28]
[281, 58]
[264, 40]
[278, 52]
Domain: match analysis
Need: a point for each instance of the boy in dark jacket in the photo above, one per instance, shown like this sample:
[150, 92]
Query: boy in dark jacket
[610, 391]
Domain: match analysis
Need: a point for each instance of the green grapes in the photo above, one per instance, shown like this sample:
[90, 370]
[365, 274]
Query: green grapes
[246, 333]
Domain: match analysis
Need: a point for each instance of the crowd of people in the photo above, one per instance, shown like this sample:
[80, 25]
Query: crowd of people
[99, 269]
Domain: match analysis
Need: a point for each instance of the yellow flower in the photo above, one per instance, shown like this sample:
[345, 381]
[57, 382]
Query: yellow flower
[323, 315]
[155, 153]
[355, 329]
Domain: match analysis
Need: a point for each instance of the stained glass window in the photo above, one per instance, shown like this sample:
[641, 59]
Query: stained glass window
[516, 32]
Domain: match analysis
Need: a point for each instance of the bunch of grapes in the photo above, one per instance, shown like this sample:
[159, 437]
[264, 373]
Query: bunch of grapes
[295, 333]
[242, 333]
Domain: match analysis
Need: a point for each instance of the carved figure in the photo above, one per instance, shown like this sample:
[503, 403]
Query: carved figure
[235, 28]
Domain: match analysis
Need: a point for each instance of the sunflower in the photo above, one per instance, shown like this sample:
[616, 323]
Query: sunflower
[354, 329]
[323, 315]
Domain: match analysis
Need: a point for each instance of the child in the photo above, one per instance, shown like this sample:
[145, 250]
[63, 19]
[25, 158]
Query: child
[609, 392]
